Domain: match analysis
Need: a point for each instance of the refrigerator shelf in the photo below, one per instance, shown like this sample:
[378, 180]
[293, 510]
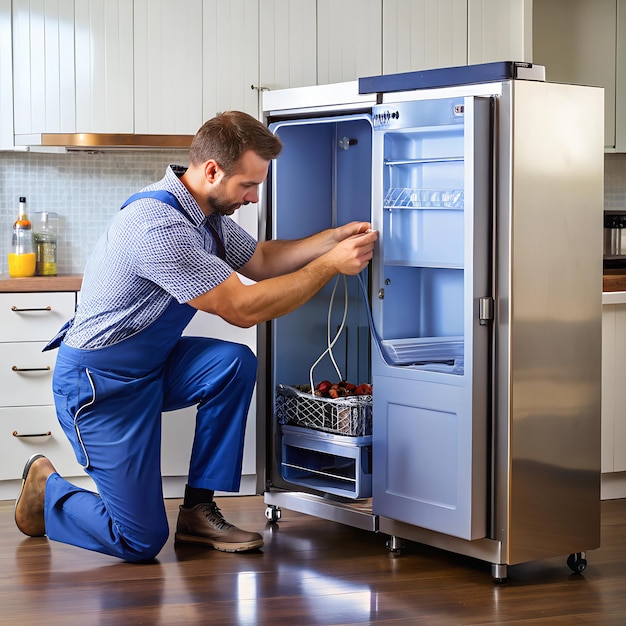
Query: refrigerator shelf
[409, 198]
[448, 159]
[416, 350]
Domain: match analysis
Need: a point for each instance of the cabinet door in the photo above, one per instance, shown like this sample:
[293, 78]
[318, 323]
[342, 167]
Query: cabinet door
[499, 30]
[423, 34]
[104, 66]
[29, 430]
[230, 66]
[35, 316]
[576, 41]
[609, 387]
[619, 407]
[287, 43]
[168, 67]
[6, 77]
[43, 66]
[349, 43]
[620, 70]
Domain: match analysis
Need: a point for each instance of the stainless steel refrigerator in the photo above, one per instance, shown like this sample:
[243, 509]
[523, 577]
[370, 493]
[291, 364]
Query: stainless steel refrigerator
[478, 323]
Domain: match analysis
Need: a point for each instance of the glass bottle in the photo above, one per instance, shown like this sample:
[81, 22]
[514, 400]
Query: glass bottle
[45, 236]
[22, 258]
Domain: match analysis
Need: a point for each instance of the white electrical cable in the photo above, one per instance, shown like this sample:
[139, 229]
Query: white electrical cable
[329, 349]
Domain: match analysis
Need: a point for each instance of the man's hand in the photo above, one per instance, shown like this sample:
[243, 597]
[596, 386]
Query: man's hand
[353, 252]
[348, 230]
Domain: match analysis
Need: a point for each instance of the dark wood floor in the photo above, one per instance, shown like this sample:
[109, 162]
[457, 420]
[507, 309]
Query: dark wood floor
[310, 571]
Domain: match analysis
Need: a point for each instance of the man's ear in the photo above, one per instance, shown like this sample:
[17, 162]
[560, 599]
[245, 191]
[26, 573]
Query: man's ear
[212, 171]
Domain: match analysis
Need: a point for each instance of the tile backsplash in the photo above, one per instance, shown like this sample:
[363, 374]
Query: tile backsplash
[87, 189]
[615, 182]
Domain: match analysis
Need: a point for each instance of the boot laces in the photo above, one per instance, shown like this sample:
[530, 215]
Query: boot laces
[214, 515]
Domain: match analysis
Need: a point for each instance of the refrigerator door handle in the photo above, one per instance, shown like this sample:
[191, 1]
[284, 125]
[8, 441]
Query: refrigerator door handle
[485, 310]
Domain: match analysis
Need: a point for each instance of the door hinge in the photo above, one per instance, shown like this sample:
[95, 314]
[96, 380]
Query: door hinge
[485, 310]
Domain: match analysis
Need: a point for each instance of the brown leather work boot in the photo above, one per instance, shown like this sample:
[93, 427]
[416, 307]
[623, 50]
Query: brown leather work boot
[29, 506]
[204, 524]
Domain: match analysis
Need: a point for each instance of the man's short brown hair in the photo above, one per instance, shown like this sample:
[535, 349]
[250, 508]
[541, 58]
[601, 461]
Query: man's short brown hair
[227, 136]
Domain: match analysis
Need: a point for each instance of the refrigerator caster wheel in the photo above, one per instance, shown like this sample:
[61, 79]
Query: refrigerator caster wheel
[499, 572]
[273, 513]
[577, 562]
[395, 545]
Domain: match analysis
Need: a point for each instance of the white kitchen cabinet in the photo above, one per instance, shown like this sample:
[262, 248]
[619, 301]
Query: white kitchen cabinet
[613, 388]
[230, 52]
[499, 30]
[349, 43]
[287, 43]
[6, 77]
[27, 415]
[582, 41]
[103, 35]
[43, 67]
[168, 66]
[423, 34]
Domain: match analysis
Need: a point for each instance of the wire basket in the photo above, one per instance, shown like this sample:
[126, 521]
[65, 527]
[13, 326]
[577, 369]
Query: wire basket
[351, 415]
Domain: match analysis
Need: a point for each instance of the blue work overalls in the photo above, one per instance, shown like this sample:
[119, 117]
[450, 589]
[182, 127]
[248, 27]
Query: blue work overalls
[109, 402]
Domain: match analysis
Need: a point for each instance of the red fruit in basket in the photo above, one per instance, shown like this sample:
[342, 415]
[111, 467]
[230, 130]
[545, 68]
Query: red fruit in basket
[349, 386]
[363, 390]
[333, 392]
[323, 386]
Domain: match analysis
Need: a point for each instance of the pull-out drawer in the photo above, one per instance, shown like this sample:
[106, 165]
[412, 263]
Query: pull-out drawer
[26, 373]
[25, 431]
[34, 316]
[334, 464]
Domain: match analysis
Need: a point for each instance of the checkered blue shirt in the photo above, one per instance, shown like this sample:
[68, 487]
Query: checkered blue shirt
[149, 254]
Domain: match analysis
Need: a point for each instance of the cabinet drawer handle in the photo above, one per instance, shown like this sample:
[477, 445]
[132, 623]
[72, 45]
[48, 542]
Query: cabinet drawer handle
[18, 310]
[16, 434]
[15, 368]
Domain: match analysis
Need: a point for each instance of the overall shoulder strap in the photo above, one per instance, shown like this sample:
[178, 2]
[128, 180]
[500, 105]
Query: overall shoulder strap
[158, 194]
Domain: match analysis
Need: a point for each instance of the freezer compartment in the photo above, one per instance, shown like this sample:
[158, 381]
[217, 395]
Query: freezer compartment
[333, 464]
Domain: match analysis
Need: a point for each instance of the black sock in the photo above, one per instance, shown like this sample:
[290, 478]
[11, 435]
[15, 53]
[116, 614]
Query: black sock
[195, 495]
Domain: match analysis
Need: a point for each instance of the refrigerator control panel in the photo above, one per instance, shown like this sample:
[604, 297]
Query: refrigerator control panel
[384, 116]
[408, 115]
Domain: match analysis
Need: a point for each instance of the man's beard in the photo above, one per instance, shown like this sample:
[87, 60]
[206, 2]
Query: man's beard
[221, 207]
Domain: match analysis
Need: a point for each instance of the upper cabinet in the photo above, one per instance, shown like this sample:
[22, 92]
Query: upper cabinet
[168, 66]
[287, 43]
[230, 67]
[499, 30]
[423, 34]
[159, 67]
[349, 41]
[582, 42]
[107, 66]
[44, 73]
[103, 65]
[6, 77]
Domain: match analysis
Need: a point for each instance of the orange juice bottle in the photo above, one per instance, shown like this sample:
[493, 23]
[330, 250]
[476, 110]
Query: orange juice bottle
[22, 258]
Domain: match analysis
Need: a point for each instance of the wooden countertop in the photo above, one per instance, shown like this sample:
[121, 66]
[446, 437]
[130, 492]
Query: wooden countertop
[614, 280]
[66, 282]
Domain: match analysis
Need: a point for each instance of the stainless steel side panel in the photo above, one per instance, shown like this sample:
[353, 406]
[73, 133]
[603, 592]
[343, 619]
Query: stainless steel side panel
[548, 343]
